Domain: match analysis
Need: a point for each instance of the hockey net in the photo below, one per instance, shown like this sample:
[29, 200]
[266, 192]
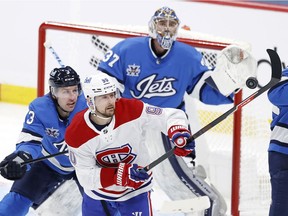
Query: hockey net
[234, 153]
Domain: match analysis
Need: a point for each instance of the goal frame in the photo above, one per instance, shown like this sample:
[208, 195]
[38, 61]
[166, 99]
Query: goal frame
[85, 29]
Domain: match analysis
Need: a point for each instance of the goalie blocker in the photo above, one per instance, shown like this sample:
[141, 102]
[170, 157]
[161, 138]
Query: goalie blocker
[235, 68]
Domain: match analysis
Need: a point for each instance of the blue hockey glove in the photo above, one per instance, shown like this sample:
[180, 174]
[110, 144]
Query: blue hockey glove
[129, 175]
[11, 166]
[178, 135]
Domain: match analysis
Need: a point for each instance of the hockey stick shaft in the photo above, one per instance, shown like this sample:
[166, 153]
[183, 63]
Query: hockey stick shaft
[49, 46]
[276, 76]
[43, 158]
[40, 159]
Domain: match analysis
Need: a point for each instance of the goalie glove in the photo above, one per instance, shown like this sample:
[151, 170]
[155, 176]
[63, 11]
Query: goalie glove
[178, 135]
[234, 67]
[130, 176]
[11, 167]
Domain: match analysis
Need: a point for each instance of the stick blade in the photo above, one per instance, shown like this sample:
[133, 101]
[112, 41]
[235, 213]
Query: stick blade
[275, 64]
[186, 206]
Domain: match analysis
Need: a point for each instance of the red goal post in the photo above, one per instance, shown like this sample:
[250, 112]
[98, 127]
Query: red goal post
[121, 33]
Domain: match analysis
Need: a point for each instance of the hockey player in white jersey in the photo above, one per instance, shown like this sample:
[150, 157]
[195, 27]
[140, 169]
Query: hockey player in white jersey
[107, 148]
[160, 70]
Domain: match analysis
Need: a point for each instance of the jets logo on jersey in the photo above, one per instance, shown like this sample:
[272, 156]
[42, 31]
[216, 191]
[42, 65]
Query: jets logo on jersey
[52, 132]
[133, 70]
[113, 156]
[150, 87]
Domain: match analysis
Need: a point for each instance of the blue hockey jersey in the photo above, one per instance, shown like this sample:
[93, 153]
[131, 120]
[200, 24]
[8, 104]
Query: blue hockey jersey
[160, 81]
[278, 96]
[43, 132]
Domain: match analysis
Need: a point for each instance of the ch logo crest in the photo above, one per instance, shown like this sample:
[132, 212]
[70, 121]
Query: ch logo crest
[113, 156]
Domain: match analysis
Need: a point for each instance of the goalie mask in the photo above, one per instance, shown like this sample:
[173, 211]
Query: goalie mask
[98, 85]
[163, 26]
[63, 77]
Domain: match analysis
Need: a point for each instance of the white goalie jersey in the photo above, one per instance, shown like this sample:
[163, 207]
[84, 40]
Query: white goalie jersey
[123, 140]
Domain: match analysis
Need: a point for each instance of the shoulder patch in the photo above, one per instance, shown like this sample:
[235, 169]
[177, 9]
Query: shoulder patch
[153, 110]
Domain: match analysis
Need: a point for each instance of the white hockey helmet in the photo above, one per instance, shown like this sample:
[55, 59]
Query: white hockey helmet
[163, 26]
[97, 85]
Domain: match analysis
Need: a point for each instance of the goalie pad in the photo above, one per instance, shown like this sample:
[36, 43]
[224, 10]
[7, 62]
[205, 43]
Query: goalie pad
[234, 67]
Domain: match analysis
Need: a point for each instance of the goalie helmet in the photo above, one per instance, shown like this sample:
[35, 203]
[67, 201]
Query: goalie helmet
[97, 85]
[64, 77]
[163, 26]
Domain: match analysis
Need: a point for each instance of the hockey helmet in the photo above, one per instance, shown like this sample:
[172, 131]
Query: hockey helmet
[97, 85]
[163, 26]
[63, 77]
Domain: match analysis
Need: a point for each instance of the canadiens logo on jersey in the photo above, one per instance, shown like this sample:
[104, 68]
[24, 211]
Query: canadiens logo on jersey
[133, 70]
[52, 132]
[113, 156]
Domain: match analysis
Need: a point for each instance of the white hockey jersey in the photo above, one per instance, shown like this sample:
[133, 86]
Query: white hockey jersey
[123, 140]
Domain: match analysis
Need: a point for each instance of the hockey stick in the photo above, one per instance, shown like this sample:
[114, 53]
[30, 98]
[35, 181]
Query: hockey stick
[49, 46]
[43, 158]
[276, 76]
[40, 159]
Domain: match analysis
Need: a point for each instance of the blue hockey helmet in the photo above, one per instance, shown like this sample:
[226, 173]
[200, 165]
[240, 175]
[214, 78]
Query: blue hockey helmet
[164, 26]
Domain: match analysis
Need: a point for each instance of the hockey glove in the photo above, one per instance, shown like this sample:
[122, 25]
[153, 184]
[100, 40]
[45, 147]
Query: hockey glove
[178, 135]
[129, 175]
[182, 152]
[11, 166]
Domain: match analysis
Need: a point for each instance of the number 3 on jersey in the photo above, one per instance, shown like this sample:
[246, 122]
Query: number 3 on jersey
[30, 117]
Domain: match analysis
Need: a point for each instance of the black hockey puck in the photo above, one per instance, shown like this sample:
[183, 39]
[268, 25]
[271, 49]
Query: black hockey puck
[252, 82]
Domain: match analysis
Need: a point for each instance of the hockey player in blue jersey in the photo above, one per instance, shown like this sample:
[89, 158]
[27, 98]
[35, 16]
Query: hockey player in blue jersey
[160, 70]
[278, 147]
[43, 134]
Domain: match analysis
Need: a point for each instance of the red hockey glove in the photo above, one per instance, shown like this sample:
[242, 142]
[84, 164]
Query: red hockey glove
[182, 152]
[129, 175]
[178, 135]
